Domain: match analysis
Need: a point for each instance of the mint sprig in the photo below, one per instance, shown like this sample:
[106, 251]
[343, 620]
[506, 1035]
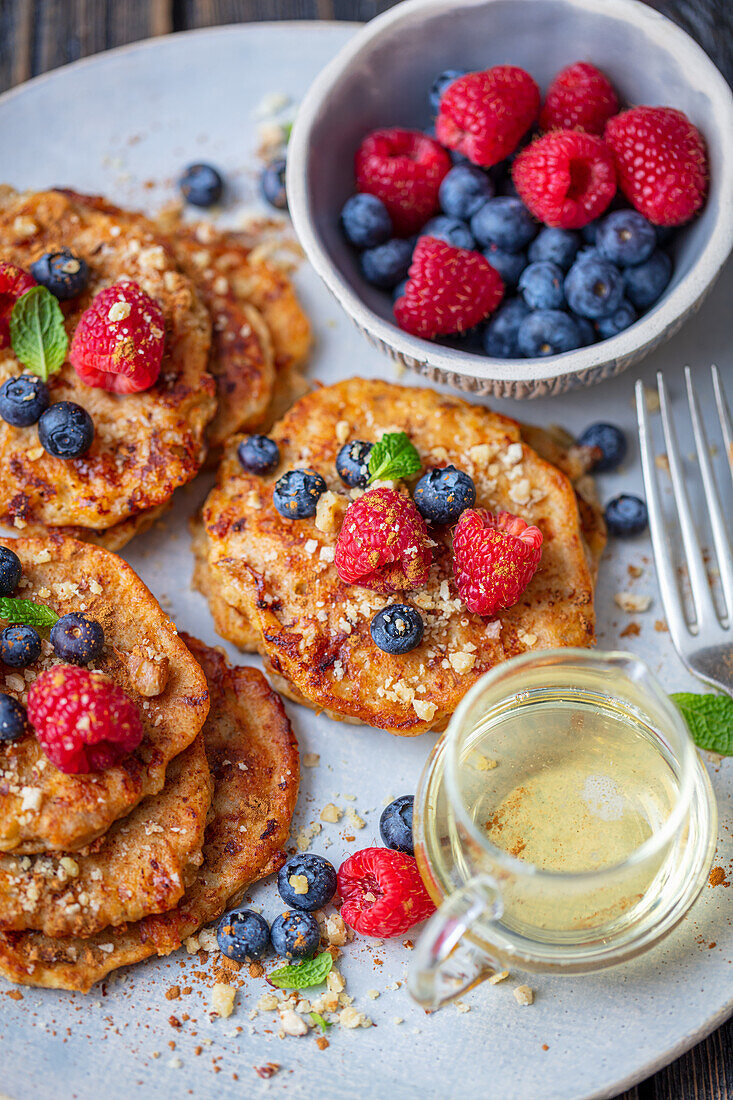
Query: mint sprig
[310, 972]
[37, 332]
[392, 457]
[318, 1021]
[16, 611]
[709, 718]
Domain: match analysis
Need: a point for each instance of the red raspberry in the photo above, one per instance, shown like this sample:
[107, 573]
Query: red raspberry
[119, 340]
[14, 282]
[661, 162]
[383, 543]
[494, 559]
[580, 97]
[404, 169]
[83, 721]
[448, 290]
[566, 178]
[383, 894]
[485, 115]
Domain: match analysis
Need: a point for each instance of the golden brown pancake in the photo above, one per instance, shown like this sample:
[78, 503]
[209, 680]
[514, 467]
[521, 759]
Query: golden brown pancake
[278, 575]
[146, 444]
[141, 865]
[253, 758]
[41, 808]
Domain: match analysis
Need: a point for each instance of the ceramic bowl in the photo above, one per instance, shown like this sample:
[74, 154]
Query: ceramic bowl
[382, 78]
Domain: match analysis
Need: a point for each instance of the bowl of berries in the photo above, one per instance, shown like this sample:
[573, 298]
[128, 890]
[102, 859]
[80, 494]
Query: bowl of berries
[516, 197]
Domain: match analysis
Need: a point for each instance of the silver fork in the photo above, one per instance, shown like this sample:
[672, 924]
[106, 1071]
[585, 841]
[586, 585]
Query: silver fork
[706, 643]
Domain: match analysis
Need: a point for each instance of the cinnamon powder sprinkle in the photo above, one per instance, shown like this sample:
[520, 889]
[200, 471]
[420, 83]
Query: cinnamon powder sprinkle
[717, 877]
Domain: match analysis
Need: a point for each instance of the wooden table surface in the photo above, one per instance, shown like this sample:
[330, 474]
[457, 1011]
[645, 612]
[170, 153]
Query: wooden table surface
[37, 35]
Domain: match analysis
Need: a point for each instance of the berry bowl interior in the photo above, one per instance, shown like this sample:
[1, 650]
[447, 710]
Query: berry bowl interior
[382, 78]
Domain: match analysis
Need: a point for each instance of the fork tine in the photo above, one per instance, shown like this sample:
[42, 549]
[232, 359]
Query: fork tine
[705, 614]
[670, 593]
[717, 519]
[723, 416]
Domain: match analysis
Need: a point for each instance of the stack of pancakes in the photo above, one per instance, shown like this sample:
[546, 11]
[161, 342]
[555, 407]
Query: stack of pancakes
[235, 337]
[98, 871]
[272, 585]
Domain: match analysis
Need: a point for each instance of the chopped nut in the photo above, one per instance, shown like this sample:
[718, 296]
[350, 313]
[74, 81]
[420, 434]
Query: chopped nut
[462, 662]
[148, 675]
[424, 710]
[222, 999]
[335, 982]
[500, 976]
[292, 1023]
[268, 1002]
[70, 866]
[299, 884]
[336, 930]
[350, 1017]
[331, 813]
[523, 995]
[342, 431]
[330, 512]
[632, 602]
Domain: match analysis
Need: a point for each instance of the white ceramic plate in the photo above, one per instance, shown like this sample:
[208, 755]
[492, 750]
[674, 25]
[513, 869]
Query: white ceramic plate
[118, 124]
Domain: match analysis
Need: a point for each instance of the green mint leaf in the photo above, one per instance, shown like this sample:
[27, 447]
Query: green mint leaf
[318, 1021]
[392, 457]
[37, 332]
[311, 972]
[25, 611]
[710, 720]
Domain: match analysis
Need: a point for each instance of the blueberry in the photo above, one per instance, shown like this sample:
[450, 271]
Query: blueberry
[243, 935]
[504, 221]
[593, 287]
[352, 463]
[295, 934]
[470, 340]
[201, 185]
[588, 334]
[399, 290]
[500, 335]
[272, 184]
[77, 638]
[665, 233]
[395, 825]
[625, 516]
[559, 246]
[397, 628]
[541, 285]
[320, 879]
[510, 265]
[611, 442]
[66, 430]
[297, 493]
[13, 718]
[646, 282]
[23, 399]
[10, 571]
[589, 232]
[625, 238]
[258, 454]
[450, 230]
[620, 319]
[442, 494]
[20, 646]
[464, 190]
[365, 221]
[440, 84]
[61, 272]
[547, 332]
[387, 264]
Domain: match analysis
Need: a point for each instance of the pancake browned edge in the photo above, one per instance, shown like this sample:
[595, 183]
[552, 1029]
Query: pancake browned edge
[142, 865]
[253, 756]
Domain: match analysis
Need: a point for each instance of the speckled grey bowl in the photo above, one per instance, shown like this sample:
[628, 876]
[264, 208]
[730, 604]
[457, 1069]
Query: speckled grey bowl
[382, 78]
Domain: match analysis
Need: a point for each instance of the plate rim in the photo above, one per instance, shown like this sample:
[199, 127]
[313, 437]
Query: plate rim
[315, 26]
